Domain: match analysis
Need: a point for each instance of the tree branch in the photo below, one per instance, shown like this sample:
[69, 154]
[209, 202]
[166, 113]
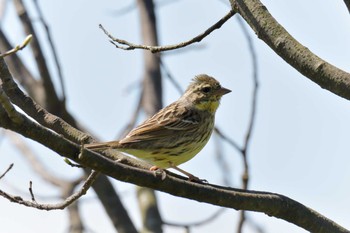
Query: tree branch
[16, 199]
[53, 49]
[125, 45]
[301, 58]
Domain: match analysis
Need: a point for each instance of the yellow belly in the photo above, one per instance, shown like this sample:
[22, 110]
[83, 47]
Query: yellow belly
[162, 158]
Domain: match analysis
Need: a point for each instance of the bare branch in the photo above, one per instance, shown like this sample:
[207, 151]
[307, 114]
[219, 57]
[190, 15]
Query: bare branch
[133, 118]
[125, 45]
[207, 220]
[227, 139]
[87, 184]
[52, 99]
[252, 118]
[170, 76]
[151, 102]
[53, 49]
[31, 191]
[36, 165]
[7, 170]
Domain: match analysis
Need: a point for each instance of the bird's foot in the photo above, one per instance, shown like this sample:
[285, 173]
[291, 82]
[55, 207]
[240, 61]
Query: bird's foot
[158, 172]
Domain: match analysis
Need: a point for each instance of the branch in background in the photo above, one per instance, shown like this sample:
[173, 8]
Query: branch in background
[132, 6]
[87, 184]
[125, 45]
[252, 118]
[3, 8]
[52, 99]
[151, 102]
[37, 166]
[170, 76]
[53, 49]
[202, 222]
[133, 118]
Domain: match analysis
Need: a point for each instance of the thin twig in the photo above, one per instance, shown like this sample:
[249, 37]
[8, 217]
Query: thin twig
[247, 141]
[125, 45]
[212, 217]
[19, 200]
[26, 41]
[31, 191]
[7, 170]
[220, 160]
[132, 6]
[133, 118]
[53, 49]
[170, 76]
[227, 139]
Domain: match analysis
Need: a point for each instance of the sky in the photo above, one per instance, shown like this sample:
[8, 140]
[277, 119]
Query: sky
[299, 145]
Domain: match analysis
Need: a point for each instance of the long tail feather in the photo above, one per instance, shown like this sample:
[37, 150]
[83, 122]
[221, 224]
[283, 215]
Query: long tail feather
[102, 145]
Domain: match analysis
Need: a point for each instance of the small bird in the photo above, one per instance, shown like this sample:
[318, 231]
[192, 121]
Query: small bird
[177, 132]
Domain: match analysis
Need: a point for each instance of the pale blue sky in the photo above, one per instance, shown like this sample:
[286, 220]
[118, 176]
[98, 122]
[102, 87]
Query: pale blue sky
[300, 146]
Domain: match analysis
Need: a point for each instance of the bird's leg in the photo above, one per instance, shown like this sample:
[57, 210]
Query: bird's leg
[158, 171]
[190, 176]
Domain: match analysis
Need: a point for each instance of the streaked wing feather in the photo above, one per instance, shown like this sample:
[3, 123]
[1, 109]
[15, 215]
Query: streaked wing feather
[164, 124]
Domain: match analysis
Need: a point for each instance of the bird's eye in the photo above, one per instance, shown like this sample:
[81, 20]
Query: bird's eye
[206, 89]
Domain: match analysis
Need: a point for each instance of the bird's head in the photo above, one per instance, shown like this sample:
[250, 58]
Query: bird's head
[205, 93]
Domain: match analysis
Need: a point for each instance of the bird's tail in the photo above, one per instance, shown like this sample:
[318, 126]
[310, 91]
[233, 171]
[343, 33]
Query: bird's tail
[100, 146]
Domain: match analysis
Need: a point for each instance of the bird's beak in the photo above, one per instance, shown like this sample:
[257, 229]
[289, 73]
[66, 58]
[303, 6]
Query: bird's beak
[222, 91]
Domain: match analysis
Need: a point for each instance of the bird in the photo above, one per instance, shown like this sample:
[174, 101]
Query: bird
[177, 132]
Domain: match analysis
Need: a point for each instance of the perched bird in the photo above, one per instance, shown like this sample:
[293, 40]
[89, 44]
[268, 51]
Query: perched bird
[176, 133]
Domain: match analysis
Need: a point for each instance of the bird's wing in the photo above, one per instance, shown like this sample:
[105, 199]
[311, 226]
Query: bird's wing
[165, 123]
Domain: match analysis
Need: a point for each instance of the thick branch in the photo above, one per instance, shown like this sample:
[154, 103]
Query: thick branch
[294, 53]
